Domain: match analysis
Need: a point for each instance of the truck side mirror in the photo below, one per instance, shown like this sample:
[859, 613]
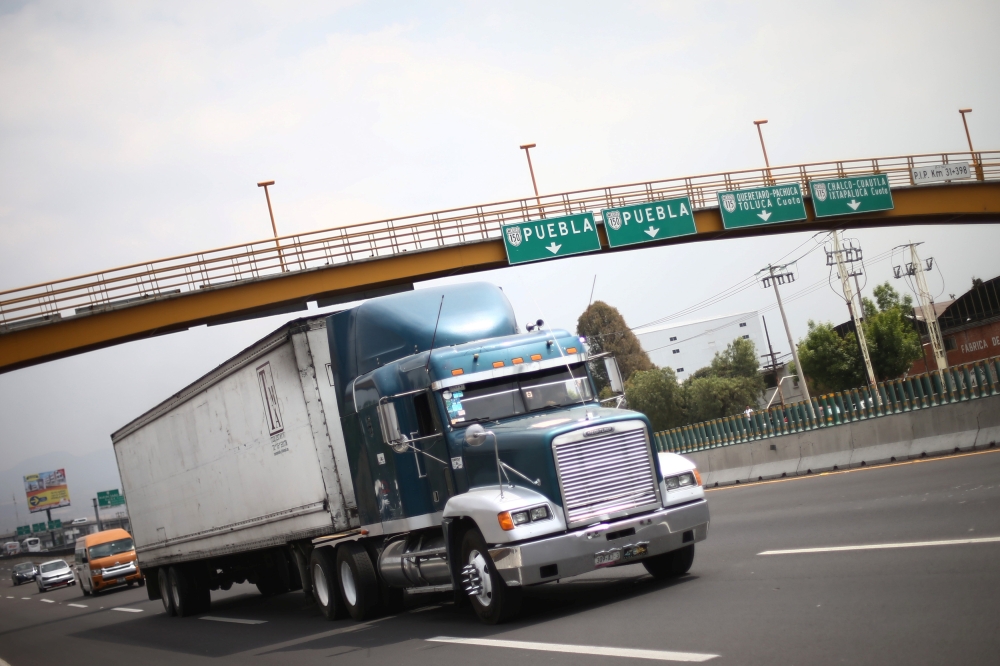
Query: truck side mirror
[389, 421]
[475, 435]
[614, 374]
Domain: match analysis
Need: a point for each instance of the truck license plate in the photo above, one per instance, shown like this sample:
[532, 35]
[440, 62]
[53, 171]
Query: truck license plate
[607, 557]
[119, 581]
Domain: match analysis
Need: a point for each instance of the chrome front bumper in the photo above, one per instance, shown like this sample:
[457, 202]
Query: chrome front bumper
[573, 553]
[114, 573]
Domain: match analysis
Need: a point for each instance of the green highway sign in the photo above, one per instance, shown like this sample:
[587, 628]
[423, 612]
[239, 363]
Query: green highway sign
[23, 530]
[38, 527]
[55, 524]
[761, 205]
[547, 239]
[107, 498]
[646, 222]
[846, 196]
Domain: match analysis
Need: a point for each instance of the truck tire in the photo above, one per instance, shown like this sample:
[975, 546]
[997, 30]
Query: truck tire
[163, 579]
[357, 581]
[323, 581]
[495, 602]
[187, 594]
[670, 565]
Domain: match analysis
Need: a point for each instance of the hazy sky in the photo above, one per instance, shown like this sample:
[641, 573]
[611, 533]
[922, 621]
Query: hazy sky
[131, 131]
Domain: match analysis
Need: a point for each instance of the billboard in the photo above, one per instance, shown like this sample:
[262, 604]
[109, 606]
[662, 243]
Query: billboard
[46, 490]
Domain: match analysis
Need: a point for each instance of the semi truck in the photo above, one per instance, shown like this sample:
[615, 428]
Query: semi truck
[417, 443]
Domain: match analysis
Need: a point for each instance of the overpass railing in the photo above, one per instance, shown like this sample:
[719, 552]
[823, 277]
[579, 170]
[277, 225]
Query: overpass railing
[223, 267]
[924, 391]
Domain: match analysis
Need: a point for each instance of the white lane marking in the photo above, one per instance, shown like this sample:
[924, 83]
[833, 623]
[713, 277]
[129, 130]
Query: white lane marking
[234, 620]
[878, 546]
[657, 655]
[425, 608]
[46, 601]
[77, 605]
[127, 610]
[10, 597]
[26, 598]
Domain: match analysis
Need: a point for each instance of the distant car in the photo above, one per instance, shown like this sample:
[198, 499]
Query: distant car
[79, 521]
[23, 572]
[54, 573]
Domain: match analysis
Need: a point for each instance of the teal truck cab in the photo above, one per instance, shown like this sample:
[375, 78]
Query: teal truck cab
[482, 461]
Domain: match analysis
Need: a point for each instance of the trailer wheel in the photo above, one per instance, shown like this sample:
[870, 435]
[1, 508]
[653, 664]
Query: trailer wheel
[358, 583]
[670, 565]
[187, 593]
[493, 601]
[323, 574]
[163, 578]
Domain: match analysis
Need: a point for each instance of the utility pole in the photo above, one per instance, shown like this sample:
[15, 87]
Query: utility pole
[265, 184]
[760, 134]
[772, 279]
[774, 362]
[968, 137]
[845, 282]
[527, 151]
[916, 269]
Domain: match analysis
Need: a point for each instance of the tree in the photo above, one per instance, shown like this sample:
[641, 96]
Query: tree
[893, 340]
[739, 359]
[832, 363]
[606, 331]
[714, 397]
[656, 394]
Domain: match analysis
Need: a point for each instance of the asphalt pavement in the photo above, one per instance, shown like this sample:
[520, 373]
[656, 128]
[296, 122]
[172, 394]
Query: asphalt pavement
[923, 588]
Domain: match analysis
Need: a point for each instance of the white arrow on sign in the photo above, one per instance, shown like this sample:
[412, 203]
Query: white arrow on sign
[853, 204]
[652, 231]
[764, 215]
[553, 248]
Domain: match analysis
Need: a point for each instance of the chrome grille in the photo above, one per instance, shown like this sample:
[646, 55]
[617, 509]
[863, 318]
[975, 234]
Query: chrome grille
[605, 476]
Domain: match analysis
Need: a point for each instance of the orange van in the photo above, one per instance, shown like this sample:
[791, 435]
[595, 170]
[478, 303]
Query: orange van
[105, 560]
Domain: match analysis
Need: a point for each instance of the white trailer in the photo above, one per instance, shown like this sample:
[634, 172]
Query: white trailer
[249, 457]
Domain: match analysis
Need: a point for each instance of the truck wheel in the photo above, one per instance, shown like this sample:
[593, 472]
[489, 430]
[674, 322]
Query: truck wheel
[187, 593]
[358, 583]
[492, 600]
[323, 573]
[163, 578]
[670, 565]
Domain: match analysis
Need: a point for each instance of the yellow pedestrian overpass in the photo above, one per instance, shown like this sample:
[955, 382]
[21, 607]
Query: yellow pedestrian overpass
[43, 322]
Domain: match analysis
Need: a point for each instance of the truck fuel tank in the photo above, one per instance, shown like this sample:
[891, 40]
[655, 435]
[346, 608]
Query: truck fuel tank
[417, 560]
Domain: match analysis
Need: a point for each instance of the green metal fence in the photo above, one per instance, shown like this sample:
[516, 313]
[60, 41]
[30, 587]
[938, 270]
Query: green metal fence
[930, 389]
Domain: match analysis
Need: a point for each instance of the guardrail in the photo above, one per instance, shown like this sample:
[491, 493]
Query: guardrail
[166, 278]
[923, 391]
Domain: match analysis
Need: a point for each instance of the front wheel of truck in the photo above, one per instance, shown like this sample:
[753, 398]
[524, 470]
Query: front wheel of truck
[492, 600]
[670, 565]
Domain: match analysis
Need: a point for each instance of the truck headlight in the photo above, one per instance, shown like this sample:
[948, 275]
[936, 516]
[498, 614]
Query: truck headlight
[509, 520]
[540, 513]
[520, 517]
[685, 480]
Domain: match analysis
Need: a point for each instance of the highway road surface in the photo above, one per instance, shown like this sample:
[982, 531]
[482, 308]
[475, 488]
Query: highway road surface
[923, 588]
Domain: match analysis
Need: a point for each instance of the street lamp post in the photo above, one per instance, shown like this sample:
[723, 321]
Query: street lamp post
[760, 135]
[265, 184]
[527, 151]
[968, 137]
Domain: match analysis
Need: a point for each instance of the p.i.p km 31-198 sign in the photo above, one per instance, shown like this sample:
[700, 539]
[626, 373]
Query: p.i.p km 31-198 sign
[761, 205]
[547, 239]
[647, 222]
[849, 196]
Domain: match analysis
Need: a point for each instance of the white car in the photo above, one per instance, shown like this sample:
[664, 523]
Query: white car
[54, 573]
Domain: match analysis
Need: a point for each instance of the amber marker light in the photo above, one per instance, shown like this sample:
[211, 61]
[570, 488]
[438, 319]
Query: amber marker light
[506, 523]
[536, 357]
[497, 364]
[459, 371]
[571, 350]
[697, 476]
[517, 361]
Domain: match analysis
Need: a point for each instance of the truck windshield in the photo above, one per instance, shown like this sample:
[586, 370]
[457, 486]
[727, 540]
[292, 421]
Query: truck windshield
[110, 548]
[500, 398]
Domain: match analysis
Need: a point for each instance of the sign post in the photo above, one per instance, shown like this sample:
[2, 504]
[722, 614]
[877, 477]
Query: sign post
[647, 222]
[537, 240]
[848, 196]
[761, 205]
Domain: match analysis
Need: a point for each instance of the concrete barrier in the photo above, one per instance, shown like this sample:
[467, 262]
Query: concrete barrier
[961, 426]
